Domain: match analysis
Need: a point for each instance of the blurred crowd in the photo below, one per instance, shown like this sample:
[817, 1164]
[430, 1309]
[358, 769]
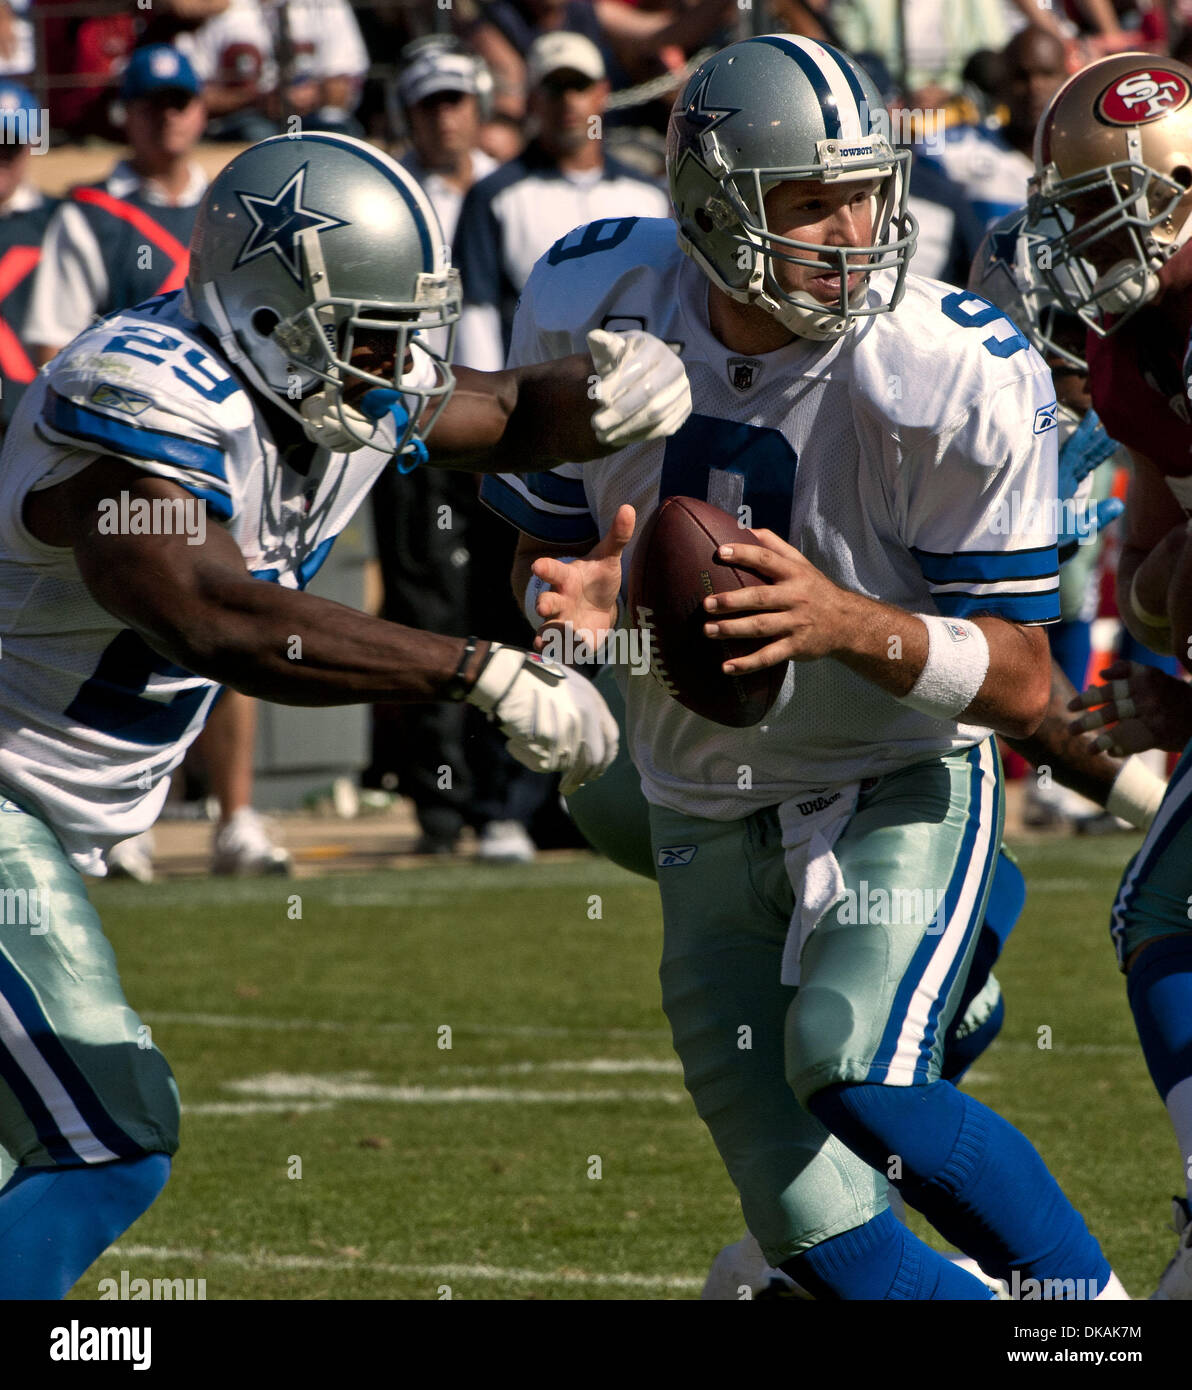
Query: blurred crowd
[523, 119]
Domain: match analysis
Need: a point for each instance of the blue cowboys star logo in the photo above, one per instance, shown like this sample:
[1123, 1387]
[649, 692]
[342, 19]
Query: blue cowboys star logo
[1003, 244]
[702, 118]
[278, 223]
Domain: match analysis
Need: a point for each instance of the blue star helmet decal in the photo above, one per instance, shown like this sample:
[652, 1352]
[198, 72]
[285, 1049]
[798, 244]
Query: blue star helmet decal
[278, 222]
[1003, 244]
[702, 118]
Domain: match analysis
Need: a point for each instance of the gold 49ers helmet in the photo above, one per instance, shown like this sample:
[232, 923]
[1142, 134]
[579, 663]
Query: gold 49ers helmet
[1113, 168]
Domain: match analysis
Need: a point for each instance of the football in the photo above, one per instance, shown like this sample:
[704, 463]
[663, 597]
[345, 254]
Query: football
[675, 567]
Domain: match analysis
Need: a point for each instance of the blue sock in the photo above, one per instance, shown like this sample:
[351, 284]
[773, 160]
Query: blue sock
[56, 1222]
[881, 1259]
[1159, 987]
[977, 1180]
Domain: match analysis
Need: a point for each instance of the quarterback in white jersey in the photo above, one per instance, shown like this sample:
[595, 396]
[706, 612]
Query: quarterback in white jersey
[891, 441]
[167, 488]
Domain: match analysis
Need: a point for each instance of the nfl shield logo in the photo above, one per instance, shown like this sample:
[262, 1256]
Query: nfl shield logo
[743, 372]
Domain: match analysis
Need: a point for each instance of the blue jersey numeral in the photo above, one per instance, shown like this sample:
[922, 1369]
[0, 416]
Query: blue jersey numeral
[212, 385]
[763, 458]
[953, 306]
[598, 236]
[113, 700]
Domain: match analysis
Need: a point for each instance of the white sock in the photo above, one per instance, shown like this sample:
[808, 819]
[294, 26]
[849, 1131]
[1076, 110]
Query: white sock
[1113, 1291]
[1179, 1107]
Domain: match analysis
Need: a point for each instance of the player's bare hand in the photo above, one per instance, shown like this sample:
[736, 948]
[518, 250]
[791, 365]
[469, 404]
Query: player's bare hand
[1146, 707]
[583, 594]
[796, 606]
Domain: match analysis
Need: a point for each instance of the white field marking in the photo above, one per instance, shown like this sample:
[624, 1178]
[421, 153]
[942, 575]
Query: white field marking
[595, 1066]
[267, 1260]
[333, 1025]
[257, 1107]
[275, 1085]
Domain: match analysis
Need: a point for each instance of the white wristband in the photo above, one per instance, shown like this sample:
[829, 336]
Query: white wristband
[538, 586]
[1136, 793]
[957, 660]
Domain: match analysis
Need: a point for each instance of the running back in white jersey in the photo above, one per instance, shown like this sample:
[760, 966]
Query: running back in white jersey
[913, 461]
[92, 720]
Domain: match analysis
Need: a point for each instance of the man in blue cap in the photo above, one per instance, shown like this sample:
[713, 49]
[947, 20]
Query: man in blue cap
[24, 213]
[113, 244]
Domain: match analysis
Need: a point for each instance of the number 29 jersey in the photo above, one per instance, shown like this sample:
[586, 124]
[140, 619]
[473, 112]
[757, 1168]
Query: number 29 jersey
[92, 720]
[912, 460]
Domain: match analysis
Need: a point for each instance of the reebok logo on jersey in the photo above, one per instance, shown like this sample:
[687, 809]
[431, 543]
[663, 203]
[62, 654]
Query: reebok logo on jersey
[676, 856]
[120, 398]
[1045, 418]
[743, 372]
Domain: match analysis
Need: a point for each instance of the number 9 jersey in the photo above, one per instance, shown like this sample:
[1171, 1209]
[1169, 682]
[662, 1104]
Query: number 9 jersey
[911, 459]
[92, 720]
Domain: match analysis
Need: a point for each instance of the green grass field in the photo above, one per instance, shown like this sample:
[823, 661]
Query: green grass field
[317, 1041]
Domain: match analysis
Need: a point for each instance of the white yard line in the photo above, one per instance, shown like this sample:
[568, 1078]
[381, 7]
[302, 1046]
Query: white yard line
[329, 1025]
[265, 1259]
[276, 1087]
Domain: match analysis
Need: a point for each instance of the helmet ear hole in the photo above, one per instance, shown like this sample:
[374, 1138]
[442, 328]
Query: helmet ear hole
[264, 321]
[1182, 175]
[703, 220]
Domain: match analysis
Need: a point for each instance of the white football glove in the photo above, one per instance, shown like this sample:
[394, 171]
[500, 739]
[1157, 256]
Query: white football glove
[554, 719]
[643, 391]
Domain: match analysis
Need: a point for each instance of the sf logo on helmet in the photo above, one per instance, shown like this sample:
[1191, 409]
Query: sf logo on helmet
[1142, 96]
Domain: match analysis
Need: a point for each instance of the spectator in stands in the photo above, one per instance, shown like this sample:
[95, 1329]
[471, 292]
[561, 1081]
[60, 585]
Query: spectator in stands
[635, 44]
[111, 245]
[993, 164]
[561, 180]
[24, 213]
[422, 518]
[509, 220]
[264, 63]
[949, 230]
[439, 93]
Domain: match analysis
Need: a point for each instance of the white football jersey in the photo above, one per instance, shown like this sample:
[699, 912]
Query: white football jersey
[913, 461]
[92, 720]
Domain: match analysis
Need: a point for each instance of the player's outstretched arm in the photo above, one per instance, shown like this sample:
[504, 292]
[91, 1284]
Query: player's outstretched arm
[198, 606]
[527, 419]
[1154, 525]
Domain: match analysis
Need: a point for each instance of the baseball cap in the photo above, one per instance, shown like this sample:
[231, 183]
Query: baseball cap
[435, 70]
[158, 68]
[561, 51]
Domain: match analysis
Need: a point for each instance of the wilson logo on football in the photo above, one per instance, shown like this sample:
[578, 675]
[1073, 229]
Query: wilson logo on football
[1142, 96]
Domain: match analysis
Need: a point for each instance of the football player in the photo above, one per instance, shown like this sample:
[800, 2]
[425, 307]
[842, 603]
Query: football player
[882, 454]
[614, 816]
[168, 487]
[1113, 168]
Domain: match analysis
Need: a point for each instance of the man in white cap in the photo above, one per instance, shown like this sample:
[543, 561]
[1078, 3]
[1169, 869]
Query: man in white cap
[562, 179]
[439, 91]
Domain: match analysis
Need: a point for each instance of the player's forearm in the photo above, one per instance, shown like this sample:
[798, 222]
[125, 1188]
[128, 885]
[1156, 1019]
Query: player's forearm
[1070, 757]
[522, 420]
[889, 647]
[296, 649]
[1154, 636]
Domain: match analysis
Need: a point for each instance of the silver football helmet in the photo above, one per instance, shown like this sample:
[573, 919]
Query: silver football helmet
[315, 260]
[766, 111]
[1008, 270]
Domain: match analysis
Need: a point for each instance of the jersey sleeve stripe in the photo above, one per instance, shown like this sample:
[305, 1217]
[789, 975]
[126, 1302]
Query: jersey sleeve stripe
[219, 504]
[554, 526]
[94, 427]
[976, 566]
[1043, 584]
[552, 487]
[1015, 608]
